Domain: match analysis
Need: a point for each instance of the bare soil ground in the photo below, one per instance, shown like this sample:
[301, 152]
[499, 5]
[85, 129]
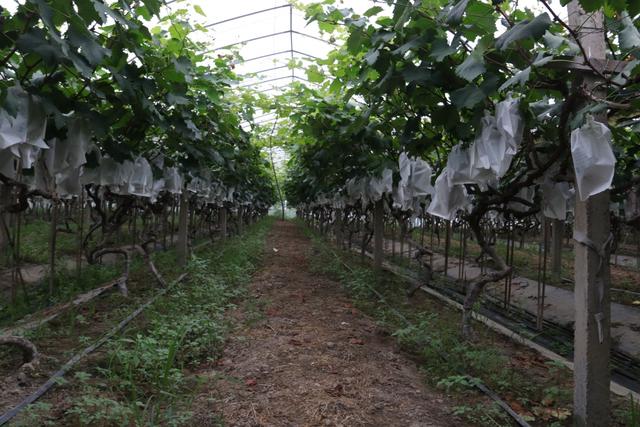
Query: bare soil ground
[311, 358]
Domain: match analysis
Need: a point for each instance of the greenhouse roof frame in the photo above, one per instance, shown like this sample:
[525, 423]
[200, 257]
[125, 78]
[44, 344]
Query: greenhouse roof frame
[292, 52]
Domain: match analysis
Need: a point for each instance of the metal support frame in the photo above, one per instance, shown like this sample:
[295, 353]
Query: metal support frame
[265, 70]
[312, 37]
[253, 39]
[246, 15]
[273, 80]
[291, 51]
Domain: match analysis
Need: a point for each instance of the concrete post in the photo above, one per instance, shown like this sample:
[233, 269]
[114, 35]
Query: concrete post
[240, 220]
[592, 322]
[183, 229]
[223, 222]
[53, 233]
[5, 199]
[378, 234]
[557, 231]
[338, 228]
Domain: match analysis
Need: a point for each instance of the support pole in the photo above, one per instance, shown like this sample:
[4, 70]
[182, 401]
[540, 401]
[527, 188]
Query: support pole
[80, 233]
[378, 231]
[592, 340]
[338, 228]
[52, 245]
[447, 244]
[223, 222]
[556, 247]
[240, 220]
[183, 229]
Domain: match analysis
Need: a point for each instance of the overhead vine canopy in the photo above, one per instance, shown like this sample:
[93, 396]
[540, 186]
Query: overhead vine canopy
[121, 80]
[469, 109]
[424, 79]
[482, 112]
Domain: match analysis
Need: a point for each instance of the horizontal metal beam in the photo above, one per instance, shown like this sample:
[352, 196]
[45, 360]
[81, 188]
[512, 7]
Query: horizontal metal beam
[305, 54]
[251, 40]
[273, 35]
[248, 14]
[266, 81]
[266, 121]
[265, 70]
[293, 77]
[272, 88]
[264, 56]
[282, 52]
[264, 115]
[313, 37]
[261, 122]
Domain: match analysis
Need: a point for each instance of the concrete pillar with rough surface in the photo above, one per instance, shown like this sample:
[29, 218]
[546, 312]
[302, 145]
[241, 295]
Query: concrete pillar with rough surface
[378, 234]
[223, 222]
[183, 229]
[592, 340]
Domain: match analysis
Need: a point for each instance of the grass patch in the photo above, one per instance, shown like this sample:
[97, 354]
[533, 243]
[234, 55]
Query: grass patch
[538, 389]
[144, 377]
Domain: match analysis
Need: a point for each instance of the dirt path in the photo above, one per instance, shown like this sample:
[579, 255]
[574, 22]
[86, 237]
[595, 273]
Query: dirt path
[313, 359]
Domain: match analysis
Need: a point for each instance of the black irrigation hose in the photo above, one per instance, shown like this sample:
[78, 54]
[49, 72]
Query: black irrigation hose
[476, 382]
[52, 381]
[625, 368]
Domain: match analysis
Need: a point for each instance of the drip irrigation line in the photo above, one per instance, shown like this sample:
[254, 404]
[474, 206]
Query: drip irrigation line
[625, 368]
[476, 381]
[625, 291]
[53, 380]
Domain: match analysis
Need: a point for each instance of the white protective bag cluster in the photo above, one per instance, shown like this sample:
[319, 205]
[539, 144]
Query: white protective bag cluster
[338, 201]
[555, 197]
[59, 164]
[593, 159]
[486, 160]
[447, 199]
[13, 130]
[356, 189]
[173, 180]
[489, 156]
[509, 122]
[378, 187]
[141, 180]
[415, 182]
[366, 189]
[59, 169]
[22, 136]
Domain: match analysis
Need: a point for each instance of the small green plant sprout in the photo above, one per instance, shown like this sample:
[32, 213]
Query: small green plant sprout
[633, 415]
[458, 382]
